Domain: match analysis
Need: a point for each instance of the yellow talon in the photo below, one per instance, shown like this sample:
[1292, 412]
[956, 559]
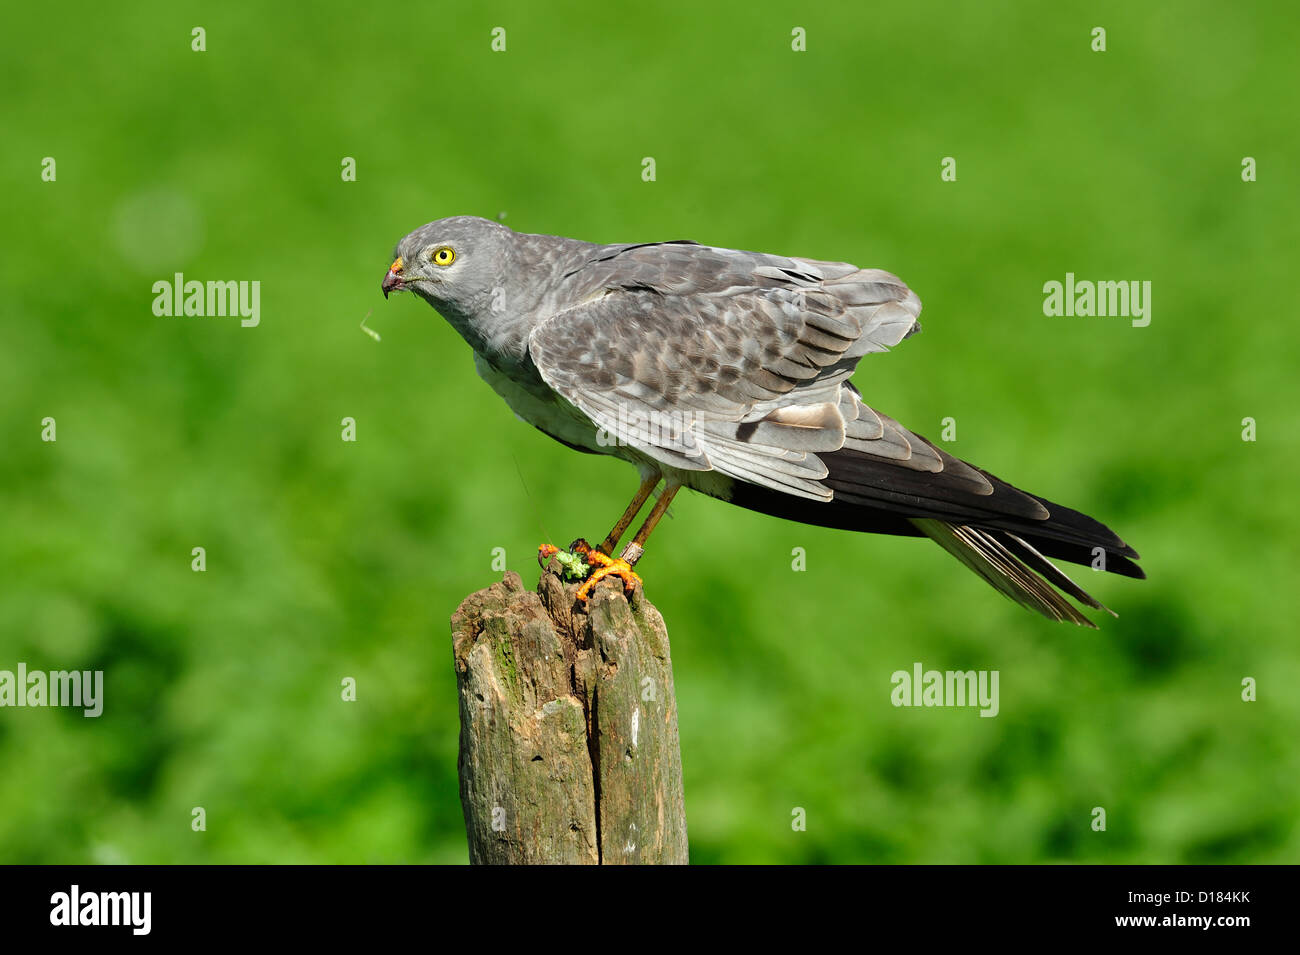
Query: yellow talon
[601, 565]
[608, 567]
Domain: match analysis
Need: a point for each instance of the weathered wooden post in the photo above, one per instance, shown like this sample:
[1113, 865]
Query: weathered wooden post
[568, 726]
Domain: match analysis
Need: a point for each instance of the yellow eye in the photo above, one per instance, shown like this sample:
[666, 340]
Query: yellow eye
[443, 255]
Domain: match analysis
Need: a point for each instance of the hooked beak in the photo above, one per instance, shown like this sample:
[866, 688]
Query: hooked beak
[393, 280]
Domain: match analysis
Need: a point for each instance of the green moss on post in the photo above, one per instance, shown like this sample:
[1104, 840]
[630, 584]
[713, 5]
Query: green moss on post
[568, 746]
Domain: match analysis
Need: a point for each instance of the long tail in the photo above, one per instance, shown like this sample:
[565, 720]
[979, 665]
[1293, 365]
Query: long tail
[1006, 536]
[1014, 568]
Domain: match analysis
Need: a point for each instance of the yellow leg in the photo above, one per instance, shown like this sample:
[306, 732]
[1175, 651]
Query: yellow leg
[624, 522]
[633, 551]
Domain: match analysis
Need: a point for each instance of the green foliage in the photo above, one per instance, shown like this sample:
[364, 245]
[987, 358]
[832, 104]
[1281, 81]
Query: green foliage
[329, 559]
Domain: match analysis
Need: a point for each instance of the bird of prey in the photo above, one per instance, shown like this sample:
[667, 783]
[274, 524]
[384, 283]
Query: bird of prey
[727, 372]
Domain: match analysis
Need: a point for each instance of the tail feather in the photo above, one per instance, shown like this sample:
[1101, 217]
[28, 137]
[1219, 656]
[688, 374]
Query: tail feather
[1013, 568]
[1059, 578]
[1075, 553]
[1009, 537]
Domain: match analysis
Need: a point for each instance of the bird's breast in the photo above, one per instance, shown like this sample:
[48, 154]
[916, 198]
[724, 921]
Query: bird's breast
[535, 403]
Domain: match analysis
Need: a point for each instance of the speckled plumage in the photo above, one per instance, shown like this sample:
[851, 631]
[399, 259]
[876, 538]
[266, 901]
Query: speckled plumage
[728, 372]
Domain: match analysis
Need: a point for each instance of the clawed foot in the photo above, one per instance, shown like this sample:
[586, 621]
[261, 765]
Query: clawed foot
[607, 566]
[582, 560]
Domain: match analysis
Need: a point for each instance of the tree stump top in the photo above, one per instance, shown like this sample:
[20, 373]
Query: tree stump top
[569, 749]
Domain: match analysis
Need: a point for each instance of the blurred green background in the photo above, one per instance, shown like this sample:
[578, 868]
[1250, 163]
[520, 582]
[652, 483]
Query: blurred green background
[328, 559]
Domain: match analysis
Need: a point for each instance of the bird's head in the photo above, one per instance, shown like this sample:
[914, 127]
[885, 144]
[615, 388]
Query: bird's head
[452, 263]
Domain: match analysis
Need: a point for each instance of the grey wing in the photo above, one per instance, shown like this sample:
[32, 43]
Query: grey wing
[738, 362]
